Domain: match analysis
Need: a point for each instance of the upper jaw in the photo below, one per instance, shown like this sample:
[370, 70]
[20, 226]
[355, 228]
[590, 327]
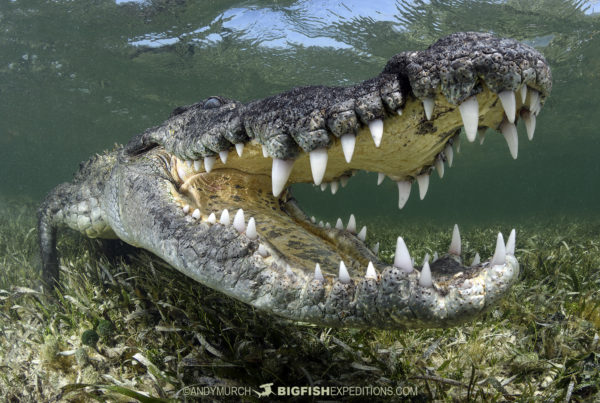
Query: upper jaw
[322, 135]
[311, 118]
[406, 148]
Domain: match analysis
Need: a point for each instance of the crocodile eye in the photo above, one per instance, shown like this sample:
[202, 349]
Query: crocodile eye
[212, 103]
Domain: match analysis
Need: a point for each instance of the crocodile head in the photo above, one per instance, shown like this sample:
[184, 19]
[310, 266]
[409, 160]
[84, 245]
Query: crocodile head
[231, 165]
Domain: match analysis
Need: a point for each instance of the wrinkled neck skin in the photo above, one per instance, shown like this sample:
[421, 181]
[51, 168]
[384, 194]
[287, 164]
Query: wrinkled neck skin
[170, 189]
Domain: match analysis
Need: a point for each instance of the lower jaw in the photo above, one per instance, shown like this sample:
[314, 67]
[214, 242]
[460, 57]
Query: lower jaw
[435, 294]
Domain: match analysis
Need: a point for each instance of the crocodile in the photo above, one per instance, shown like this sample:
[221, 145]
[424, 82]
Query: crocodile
[208, 190]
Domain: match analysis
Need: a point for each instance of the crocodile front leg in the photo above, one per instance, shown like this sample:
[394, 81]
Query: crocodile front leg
[76, 205]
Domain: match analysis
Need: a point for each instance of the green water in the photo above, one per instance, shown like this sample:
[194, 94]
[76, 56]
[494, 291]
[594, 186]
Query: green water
[78, 76]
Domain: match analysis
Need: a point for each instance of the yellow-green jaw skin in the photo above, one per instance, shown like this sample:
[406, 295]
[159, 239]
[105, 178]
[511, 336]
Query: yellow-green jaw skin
[410, 144]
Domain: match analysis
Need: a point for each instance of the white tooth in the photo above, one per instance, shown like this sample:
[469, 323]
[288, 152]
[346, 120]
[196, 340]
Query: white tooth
[318, 164]
[351, 227]
[538, 106]
[339, 224]
[481, 133]
[500, 252]
[264, 151]
[344, 181]
[425, 277]
[426, 258]
[209, 163]
[323, 187]
[509, 130]
[403, 192]
[327, 225]
[263, 251]
[188, 163]
[457, 144]
[196, 214]
[348, 143]
[523, 93]
[534, 100]
[321, 224]
[371, 273]
[428, 106]
[439, 166]
[318, 274]
[239, 222]
[449, 152]
[510, 244]
[402, 259]
[343, 274]
[476, 260]
[376, 249]
[435, 257]
[280, 174]
[399, 111]
[313, 219]
[239, 148]
[507, 98]
[251, 229]
[529, 119]
[186, 208]
[212, 218]
[376, 128]
[197, 165]
[181, 172]
[362, 235]
[469, 111]
[380, 178]
[224, 217]
[423, 181]
[455, 243]
[223, 155]
[335, 185]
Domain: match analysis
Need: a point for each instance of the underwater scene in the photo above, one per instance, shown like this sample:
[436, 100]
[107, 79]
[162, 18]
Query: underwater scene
[484, 163]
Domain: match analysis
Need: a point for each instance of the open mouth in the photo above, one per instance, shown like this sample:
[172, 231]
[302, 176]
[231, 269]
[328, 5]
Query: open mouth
[250, 190]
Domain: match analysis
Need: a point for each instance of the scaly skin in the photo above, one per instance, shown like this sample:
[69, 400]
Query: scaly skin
[158, 192]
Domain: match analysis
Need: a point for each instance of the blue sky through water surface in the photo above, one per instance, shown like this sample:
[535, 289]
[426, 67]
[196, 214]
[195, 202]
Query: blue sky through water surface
[300, 24]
